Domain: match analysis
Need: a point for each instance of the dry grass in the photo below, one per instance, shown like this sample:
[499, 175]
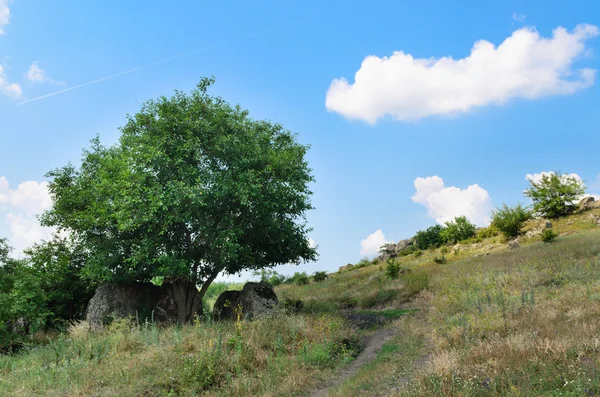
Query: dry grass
[277, 356]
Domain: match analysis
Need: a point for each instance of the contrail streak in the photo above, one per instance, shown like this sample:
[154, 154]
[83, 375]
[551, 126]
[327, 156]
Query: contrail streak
[152, 64]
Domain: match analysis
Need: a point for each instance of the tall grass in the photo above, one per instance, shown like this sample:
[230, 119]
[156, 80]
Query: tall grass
[279, 355]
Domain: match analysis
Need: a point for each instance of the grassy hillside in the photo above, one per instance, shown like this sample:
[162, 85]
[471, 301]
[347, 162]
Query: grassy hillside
[491, 321]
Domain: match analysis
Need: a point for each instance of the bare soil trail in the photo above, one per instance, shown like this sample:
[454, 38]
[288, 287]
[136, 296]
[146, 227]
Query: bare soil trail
[373, 343]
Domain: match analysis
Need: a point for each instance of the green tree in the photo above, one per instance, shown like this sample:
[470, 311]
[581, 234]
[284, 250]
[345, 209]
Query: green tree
[555, 195]
[510, 220]
[429, 238]
[458, 229]
[194, 188]
[58, 265]
[20, 296]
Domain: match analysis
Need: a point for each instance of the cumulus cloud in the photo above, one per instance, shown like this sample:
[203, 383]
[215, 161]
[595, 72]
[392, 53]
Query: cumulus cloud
[538, 177]
[9, 89]
[445, 203]
[4, 14]
[526, 65]
[370, 246]
[20, 207]
[36, 74]
[312, 243]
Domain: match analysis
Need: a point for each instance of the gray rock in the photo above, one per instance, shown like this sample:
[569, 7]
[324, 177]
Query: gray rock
[457, 248]
[513, 244]
[402, 244]
[586, 203]
[255, 299]
[140, 300]
[546, 224]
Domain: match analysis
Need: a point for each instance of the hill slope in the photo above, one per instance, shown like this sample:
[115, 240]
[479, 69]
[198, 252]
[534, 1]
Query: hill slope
[491, 321]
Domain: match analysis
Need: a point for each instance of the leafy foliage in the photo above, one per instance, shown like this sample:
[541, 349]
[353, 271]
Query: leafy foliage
[194, 188]
[549, 235]
[429, 238]
[458, 229]
[392, 269]
[299, 278]
[440, 260]
[487, 232]
[270, 277]
[555, 195]
[320, 276]
[510, 220]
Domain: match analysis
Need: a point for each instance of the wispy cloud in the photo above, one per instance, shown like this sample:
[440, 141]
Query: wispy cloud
[153, 64]
[4, 14]
[518, 17]
[36, 74]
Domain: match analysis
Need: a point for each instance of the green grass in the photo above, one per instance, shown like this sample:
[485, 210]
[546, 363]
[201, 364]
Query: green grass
[390, 314]
[281, 355]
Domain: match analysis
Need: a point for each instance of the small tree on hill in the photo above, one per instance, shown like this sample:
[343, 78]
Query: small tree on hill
[429, 238]
[458, 229]
[194, 188]
[555, 194]
[510, 220]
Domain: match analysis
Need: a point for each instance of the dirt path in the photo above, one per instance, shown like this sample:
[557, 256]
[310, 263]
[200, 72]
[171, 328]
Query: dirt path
[373, 344]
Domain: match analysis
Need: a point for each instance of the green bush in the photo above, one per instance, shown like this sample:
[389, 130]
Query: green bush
[299, 278]
[487, 232]
[270, 277]
[429, 238]
[320, 276]
[363, 263]
[457, 230]
[510, 220]
[408, 250]
[548, 235]
[418, 253]
[392, 269]
[555, 194]
[440, 260]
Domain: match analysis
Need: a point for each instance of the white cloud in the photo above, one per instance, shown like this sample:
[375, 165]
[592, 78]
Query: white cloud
[538, 177]
[4, 14]
[370, 246]
[6, 88]
[526, 65]
[445, 203]
[518, 17]
[20, 207]
[312, 243]
[35, 74]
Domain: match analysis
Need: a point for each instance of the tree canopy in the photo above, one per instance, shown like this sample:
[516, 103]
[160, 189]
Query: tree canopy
[194, 188]
[555, 194]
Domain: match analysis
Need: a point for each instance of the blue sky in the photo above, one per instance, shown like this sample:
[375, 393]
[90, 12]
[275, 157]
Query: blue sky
[472, 125]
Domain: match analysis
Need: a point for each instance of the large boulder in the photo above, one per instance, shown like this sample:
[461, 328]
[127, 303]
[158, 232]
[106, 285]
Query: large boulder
[255, 299]
[586, 203]
[140, 300]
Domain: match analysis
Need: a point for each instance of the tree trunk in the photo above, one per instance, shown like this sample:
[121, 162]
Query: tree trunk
[188, 298]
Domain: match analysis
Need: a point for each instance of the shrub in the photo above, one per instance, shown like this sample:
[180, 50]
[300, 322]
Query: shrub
[320, 276]
[408, 250]
[271, 277]
[292, 305]
[363, 262]
[555, 194]
[418, 253]
[510, 220]
[548, 235]
[392, 269]
[487, 232]
[299, 278]
[440, 260]
[429, 238]
[457, 230]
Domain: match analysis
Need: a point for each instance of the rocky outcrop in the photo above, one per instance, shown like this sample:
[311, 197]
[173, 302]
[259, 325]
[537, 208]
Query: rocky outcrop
[255, 299]
[140, 300]
[587, 203]
[393, 250]
[514, 244]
